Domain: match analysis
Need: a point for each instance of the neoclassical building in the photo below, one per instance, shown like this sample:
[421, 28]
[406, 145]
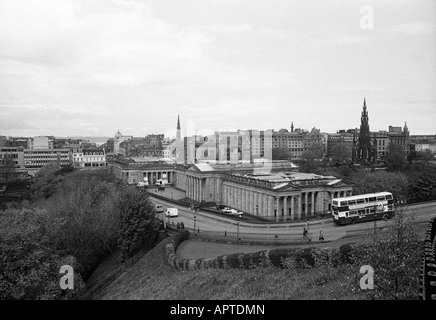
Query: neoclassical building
[279, 194]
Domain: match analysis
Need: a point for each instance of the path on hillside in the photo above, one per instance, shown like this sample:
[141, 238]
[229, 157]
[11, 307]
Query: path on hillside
[196, 249]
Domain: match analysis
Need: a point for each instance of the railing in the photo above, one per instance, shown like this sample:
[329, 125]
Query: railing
[428, 264]
[226, 236]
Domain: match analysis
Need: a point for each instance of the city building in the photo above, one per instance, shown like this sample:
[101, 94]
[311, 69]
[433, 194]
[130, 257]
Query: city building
[381, 143]
[118, 139]
[41, 142]
[400, 136]
[344, 137]
[37, 158]
[3, 141]
[12, 157]
[132, 172]
[18, 142]
[89, 158]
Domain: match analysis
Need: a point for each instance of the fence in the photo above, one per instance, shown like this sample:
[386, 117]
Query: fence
[428, 264]
[226, 236]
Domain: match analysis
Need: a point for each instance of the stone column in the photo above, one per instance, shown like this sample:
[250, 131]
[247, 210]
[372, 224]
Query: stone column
[278, 211]
[299, 206]
[261, 204]
[251, 196]
[306, 212]
[313, 204]
[285, 208]
[292, 208]
[268, 205]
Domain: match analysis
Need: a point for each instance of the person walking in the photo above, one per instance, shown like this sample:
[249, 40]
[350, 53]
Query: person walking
[178, 225]
[321, 236]
[182, 225]
[304, 233]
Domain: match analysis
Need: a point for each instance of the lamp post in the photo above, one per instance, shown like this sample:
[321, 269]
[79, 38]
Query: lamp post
[237, 231]
[308, 226]
[195, 222]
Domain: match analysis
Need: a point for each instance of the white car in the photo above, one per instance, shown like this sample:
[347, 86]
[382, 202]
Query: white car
[172, 212]
[230, 211]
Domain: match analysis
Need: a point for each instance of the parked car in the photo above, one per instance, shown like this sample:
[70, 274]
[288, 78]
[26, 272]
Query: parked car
[230, 211]
[159, 208]
[172, 212]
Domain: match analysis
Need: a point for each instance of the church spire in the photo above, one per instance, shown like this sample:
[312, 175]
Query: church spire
[178, 133]
[292, 126]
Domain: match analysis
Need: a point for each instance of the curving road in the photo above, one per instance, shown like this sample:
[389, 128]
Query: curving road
[211, 223]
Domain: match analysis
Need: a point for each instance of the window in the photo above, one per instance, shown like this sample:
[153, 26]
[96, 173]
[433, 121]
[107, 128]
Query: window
[389, 197]
[360, 200]
[371, 199]
[381, 198]
[351, 202]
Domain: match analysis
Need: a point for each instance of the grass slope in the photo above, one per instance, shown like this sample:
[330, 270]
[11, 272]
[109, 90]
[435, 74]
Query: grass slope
[152, 278]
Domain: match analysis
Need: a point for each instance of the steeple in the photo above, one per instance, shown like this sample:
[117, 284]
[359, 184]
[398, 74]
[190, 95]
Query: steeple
[178, 133]
[292, 126]
[405, 129]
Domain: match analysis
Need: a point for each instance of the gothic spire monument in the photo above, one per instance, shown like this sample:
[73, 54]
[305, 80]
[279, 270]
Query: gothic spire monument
[364, 147]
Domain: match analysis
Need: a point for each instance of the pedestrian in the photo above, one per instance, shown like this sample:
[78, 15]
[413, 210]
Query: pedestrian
[321, 236]
[178, 225]
[182, 225]
[304, 233]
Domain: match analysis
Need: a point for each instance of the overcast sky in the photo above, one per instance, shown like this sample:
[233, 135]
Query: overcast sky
[93, 67]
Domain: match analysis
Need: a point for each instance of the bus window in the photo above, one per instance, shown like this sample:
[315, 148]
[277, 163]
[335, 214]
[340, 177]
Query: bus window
[389, 197]
[360, 200]
[372, 199]
[381, 198]
[335, 202]
[350, 202]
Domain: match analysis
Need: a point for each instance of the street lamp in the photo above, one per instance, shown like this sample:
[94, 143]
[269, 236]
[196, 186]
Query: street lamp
[307, 225]
[195, 221]
[237, 231]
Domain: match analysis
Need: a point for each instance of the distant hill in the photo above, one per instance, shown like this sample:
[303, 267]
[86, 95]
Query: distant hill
[97, 140]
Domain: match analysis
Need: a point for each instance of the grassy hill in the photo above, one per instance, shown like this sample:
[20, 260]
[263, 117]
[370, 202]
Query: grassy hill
[152, 278]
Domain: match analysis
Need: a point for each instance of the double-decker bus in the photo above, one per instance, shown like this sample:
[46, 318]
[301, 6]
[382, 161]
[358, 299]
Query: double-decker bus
[363, 207]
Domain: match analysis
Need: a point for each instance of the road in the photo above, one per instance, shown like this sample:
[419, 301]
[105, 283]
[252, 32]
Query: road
[209, 222]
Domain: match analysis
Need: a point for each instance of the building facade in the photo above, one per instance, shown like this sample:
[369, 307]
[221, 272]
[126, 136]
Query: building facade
[276, 193]
[89, 158]
[37, 158]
